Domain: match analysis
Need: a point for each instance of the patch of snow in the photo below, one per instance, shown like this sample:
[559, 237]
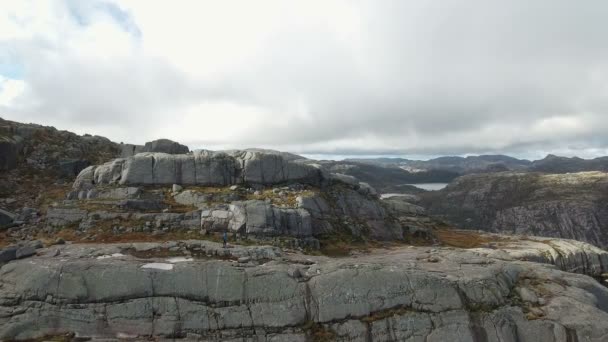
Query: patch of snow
[115, 255]
[159, 266]
[179, 259]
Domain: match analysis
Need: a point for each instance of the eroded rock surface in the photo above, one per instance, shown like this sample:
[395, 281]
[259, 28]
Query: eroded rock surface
[257, 293]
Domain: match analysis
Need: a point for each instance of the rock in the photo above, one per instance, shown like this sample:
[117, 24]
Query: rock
[25, 251]
[35, 244]
[165, 146]
[234, 187]
[400, 205]
[260, 218]
[527, 295]
[64, 216]
[198, 168]
[568, 255]
[244, 260]
[160, 145]
[7, 254]
[350, 180]
[377, 297]
[120, 193]
[177, 188]
[6, 218]
[367, 214]
[129, 150]
[366, 189]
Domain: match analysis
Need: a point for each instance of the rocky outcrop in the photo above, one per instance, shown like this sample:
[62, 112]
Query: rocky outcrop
[46, 148]
[19, 251]
[258, 218]
[427, 294]
[568, 255]
[198, 168]
[555, 205]
[160, 145]
[347, 210]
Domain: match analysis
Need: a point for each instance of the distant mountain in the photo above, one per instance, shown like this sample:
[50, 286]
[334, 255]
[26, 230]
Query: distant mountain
[556, 164]
[387, 179]
[460, 165]
[490, 163]
[471, 164]
[387, 162]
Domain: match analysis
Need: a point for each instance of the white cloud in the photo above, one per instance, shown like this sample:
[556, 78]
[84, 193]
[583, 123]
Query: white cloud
[460, 76]
[9, 90]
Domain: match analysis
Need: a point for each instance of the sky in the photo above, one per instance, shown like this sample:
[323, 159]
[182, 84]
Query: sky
[325, 78]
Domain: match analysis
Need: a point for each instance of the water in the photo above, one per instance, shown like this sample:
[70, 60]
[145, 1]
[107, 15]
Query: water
[430, 186]
[383, 196]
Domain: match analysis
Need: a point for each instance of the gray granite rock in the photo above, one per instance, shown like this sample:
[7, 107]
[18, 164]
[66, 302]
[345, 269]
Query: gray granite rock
[200, 168]
[257, 218]
[95, 291]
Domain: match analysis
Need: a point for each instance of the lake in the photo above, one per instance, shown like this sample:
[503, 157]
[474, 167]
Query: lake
[430, 186]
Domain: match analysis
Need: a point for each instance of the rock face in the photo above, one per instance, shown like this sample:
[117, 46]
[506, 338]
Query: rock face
[409, 294]
[569, 206]
[198, 168]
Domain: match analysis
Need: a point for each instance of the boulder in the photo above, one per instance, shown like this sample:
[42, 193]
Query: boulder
[7, 254]
[192, 197]
[25, 251]
[400, 205]
[6, 217]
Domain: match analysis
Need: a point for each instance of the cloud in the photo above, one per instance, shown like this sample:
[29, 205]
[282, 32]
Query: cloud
[341, 77]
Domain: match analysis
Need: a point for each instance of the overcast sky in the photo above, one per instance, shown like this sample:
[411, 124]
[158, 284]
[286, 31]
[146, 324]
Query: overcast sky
[420, 78]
